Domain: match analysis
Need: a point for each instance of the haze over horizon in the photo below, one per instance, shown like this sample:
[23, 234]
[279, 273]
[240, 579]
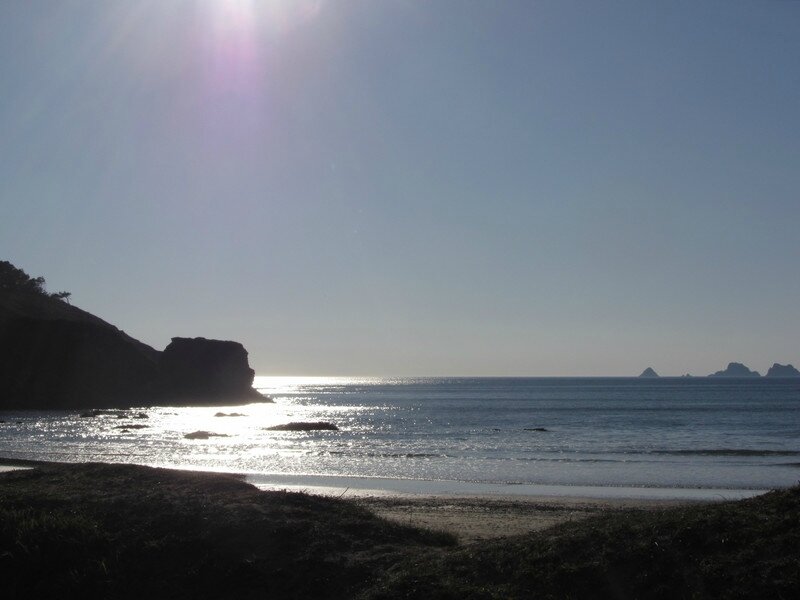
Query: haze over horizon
[414, 188]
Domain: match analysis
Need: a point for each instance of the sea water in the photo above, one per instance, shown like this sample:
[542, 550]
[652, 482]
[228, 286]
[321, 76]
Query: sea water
[508, 435]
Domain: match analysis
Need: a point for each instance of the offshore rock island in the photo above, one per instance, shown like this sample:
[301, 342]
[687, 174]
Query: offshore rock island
[56, 356]
[738, 370]
[735, 369]
[649, 372]
[777, 370]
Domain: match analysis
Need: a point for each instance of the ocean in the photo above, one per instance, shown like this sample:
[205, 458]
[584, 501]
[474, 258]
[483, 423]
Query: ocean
[667, 437]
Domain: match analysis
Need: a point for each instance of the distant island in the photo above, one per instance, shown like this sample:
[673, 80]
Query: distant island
[777, 370]
[54, 356]
[735, 369]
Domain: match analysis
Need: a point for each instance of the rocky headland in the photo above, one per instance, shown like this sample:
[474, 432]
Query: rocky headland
[213, 369]
[56, 356]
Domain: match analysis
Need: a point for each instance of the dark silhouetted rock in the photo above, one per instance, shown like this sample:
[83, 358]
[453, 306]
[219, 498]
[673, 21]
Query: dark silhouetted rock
[736, 370]
[57, 356]
[233, 414]
[204, 370]
[777, 370]
[536, 429]
[203, 435]
[304, 426]
[649, 372]
[97, 413]
[127, 427]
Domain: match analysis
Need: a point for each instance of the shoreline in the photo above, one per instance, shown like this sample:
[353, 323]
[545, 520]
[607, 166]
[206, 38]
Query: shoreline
[360, 486]
[335, 485]
[130, 531]
[470, 517]
[497, 512]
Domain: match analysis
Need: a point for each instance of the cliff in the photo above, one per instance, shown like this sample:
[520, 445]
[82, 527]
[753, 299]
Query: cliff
[777, 370]
[56, 356]
[194, 368]
[736, 370]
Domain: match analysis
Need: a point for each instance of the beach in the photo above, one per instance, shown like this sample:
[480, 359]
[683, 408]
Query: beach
[474, 512]
[470, 518]
[124, 531]
[475, 519]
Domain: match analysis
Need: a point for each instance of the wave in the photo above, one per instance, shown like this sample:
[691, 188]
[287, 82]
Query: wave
[727, 452]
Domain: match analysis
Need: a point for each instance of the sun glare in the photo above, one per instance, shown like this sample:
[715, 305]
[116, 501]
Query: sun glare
[274, 15]
[234, 15]
[239, 34]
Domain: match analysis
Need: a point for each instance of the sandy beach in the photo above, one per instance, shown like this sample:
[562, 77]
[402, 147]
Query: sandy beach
[474, 512]
[470, 518]
[97, 530]
[476, 518]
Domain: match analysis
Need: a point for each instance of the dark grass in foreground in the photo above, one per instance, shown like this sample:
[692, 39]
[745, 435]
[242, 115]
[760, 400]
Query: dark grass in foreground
[122, 531]
[97, 530]
[745, 549]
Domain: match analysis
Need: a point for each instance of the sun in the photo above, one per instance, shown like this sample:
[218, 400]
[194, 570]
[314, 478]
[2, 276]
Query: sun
[233, 15]
[267, 15]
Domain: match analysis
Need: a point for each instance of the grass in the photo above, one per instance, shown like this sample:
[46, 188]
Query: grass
[122, 531]
[746, 549]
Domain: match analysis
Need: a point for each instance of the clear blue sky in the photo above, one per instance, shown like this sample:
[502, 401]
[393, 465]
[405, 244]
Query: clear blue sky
[401, 188]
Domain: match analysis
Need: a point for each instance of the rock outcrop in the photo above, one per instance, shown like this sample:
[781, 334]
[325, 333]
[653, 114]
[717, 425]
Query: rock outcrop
[649, 372]
[777, 370]
[304, 426]
[203, 371]
[57, 356]
[203, 435]
[736, 370]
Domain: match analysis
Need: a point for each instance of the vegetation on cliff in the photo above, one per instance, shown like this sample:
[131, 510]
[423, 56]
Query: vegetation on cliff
[13, 279]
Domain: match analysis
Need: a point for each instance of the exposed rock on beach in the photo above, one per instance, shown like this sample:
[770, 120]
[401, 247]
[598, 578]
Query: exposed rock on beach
[203, 435]
[304, 426]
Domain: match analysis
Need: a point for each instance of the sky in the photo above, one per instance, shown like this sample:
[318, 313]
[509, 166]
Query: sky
[543, 188]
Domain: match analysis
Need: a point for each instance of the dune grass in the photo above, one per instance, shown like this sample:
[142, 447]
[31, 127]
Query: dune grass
[745, 549]
[122, 531]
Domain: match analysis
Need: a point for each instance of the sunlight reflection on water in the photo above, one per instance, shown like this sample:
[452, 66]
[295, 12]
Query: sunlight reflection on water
[592, 433]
